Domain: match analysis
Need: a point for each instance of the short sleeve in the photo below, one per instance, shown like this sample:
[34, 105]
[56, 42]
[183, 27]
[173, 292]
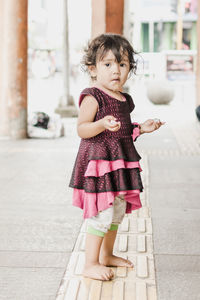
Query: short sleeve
[91, 92]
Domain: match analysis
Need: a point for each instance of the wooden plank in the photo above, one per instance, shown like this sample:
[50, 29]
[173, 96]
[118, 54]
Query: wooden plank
[106, 293]
[95, 290]
[142, 266]
[118, 290]
[141, 291]
[80, 264]
[123, 243]
[141, 225]
[141, 243]
[124, 227]
[121, 272]
[72, 290]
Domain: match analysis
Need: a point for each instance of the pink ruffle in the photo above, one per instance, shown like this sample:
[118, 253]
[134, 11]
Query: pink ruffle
[100, 167]
[92, 203]
[136, 131]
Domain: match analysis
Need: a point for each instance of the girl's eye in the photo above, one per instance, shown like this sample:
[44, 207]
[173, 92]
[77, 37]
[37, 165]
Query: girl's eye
[107, 65]
[122, 65]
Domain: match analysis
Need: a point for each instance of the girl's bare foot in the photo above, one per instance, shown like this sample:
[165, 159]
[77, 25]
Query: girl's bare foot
[97, 271]
[115, 261]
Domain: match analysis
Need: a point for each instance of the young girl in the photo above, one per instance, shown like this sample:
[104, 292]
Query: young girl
[106, 175]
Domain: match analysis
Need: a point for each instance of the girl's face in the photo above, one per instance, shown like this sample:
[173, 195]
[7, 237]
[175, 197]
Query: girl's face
[110, 74]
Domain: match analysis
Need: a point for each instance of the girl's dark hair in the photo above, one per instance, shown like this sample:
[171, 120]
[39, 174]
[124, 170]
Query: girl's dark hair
[118, 44]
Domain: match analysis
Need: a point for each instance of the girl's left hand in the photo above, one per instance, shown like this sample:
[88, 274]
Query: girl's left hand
[150, 125]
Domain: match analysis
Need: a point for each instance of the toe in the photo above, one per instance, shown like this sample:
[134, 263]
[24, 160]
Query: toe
[111, 273]
[106, 277]
[129, 263]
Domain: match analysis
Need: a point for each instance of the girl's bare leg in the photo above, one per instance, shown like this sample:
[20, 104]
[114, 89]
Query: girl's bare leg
[106, 252]
[93, 269]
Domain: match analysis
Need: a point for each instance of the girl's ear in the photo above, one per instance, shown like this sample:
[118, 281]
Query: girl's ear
[93, 71]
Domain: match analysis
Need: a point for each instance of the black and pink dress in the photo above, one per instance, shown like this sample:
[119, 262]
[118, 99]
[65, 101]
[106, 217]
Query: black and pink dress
[108, 163]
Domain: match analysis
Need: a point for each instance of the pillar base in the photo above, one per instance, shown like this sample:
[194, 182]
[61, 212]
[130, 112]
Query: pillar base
[66, 107]
[67, 111]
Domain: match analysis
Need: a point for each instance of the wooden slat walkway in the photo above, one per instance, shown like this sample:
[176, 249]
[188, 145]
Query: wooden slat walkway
[134, 241]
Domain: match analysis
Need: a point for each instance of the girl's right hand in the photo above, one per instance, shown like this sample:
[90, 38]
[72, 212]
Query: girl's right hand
[110, 123]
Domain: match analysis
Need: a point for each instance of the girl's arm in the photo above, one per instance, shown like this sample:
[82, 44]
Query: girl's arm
[86, 126]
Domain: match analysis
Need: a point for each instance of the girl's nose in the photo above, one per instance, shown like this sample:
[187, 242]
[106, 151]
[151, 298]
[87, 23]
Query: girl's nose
[116, 69]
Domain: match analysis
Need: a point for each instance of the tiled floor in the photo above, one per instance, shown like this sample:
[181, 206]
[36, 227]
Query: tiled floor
[134, 241]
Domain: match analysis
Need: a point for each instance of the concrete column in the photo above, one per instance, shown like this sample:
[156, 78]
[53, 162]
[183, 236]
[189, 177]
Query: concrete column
[114, 16]
[66, 106]
[107, 16]
[14, 68]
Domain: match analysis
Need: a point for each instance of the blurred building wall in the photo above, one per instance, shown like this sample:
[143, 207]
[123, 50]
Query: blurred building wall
[156, 23]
